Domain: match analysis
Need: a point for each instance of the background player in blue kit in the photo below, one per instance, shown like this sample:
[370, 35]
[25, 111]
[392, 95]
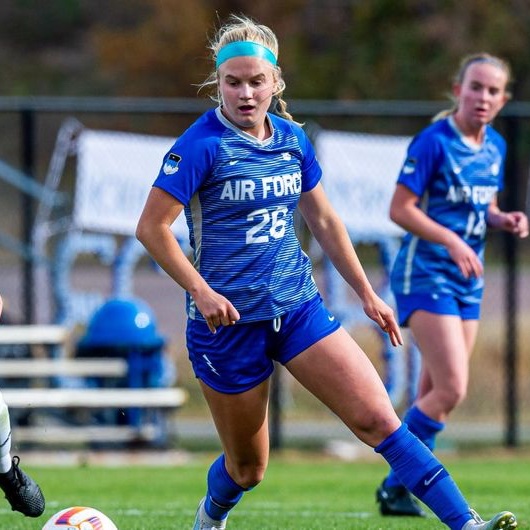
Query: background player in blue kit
[445, 198]
[239, 173]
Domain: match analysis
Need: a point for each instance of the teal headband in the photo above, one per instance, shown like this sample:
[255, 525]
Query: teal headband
[244, 49]
[488, 60]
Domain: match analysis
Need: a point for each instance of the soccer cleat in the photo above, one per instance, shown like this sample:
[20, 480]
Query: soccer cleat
[501, 521]
[204, 522]
[397, 500]
[21, 491]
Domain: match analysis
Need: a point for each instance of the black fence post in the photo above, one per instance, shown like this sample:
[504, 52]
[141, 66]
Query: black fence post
[276, 410]
[510, 256]
[28, 167]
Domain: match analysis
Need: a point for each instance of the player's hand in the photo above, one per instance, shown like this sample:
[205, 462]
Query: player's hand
[466, 258]
[216, 309]
[515, 222]
[383, 315]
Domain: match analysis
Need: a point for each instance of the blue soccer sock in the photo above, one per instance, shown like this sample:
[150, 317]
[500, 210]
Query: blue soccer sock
[423, 474]
[425, 428]
[223, 493]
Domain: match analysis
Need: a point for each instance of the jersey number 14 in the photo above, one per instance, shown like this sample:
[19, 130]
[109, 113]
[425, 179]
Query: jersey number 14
[476, 225]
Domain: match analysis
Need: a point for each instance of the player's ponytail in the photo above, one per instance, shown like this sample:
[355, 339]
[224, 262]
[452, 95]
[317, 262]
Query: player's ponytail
[279, 107]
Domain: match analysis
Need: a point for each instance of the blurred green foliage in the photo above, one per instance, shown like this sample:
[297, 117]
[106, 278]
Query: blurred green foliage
[329, 49]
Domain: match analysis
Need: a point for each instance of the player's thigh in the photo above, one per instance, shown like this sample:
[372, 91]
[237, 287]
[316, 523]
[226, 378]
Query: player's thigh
[337, 371]
[470, 334]
[241, 421]
[443, 345]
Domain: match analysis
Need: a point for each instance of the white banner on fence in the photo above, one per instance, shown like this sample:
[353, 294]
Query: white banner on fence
[116, 170]
[360, 172]
[115, 173]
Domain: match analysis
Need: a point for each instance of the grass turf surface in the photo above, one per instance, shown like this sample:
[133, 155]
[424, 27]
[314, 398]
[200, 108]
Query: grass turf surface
[305, 491]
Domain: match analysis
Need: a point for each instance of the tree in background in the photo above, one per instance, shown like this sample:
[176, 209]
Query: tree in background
[384, 49]
[330, 49]
[163, 54]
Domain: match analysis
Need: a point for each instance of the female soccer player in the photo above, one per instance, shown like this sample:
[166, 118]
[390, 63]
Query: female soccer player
[239, 173]
[445, 198]
[20, 490]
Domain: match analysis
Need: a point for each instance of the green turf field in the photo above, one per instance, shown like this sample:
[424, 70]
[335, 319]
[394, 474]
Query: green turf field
[301, 491]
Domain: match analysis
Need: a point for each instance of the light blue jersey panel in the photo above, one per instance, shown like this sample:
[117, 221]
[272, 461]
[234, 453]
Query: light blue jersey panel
[456, 182]
[240, 195]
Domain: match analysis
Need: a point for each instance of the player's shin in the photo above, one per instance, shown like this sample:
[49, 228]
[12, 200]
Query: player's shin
[223, 492]
[423, 474]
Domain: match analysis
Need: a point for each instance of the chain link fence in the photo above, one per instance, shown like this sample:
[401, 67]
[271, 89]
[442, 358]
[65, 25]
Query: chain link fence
[60, 258]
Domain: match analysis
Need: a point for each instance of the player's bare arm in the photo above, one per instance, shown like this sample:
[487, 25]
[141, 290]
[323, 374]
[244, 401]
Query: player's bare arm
[404, 211]
[154, 232]
[329, 230]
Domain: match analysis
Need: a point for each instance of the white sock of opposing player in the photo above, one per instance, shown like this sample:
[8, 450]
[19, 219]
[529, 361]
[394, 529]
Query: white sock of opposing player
[5, 437]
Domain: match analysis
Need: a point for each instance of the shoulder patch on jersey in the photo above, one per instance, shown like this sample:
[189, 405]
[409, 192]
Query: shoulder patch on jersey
[410, 165]
[171, 165]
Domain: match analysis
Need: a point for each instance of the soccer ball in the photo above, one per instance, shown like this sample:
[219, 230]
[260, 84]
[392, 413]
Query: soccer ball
[79, 518]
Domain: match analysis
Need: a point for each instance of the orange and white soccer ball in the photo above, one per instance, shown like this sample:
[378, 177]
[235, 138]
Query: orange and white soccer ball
[79, 518]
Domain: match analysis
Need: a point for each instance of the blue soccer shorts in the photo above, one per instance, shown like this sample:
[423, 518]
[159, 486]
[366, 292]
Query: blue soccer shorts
[438, 303]
[240, 357]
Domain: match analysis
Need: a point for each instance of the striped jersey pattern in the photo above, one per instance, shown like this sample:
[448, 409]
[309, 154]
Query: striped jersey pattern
[455, 183]
[240, 195]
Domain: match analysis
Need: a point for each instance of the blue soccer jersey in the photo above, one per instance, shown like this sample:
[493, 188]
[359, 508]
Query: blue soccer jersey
[455, 183]
[240, 195]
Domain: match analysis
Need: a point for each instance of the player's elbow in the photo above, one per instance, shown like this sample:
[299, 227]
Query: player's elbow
[396, 214]
[142, 232]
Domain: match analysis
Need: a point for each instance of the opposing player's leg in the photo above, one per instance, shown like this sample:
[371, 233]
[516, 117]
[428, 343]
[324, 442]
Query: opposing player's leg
[21, 491]
[337, 371]
[242, 425]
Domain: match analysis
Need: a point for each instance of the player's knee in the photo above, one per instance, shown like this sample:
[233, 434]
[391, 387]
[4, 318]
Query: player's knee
[375, 428]
[452, 396]
[459, 396]
[249, 476]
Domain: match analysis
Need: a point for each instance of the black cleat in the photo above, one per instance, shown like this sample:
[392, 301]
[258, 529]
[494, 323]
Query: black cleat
[397, 500]
[21, 491]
